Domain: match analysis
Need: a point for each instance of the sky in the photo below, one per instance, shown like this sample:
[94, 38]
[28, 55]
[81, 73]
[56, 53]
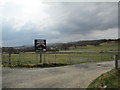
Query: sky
[26, 20]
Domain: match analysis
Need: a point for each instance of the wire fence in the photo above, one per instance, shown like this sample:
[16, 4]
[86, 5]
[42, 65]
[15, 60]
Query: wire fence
[55, 57]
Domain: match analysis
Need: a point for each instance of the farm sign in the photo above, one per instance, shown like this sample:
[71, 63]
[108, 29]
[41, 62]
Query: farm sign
[40, 45]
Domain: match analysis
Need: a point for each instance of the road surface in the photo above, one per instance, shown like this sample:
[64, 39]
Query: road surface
[73, 76]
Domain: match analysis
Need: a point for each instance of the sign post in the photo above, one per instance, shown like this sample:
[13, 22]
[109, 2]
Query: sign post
[40, 47]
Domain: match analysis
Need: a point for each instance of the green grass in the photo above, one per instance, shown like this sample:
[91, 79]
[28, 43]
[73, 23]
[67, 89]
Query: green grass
[109, 79]
[28, 58]
[104, 47]
[32, 58]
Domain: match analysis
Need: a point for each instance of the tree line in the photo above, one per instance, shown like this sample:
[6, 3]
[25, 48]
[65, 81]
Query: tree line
[57, 47]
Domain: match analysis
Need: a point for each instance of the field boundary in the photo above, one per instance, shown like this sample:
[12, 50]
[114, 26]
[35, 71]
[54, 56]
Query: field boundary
[66, 57]
[73, 52]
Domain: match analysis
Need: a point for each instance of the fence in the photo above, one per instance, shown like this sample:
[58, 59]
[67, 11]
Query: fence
[56, 57]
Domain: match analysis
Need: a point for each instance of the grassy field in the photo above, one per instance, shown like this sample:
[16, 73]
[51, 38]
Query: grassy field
[107, 80]
[102, 47]
[32, 58]
[29, 58]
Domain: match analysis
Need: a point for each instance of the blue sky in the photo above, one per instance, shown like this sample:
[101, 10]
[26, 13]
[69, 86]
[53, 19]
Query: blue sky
[25, 20]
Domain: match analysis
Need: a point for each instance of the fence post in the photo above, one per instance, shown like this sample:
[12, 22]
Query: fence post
[36, 58]
[40, 57]
[18, 61]
[116, 61]
[44, 58]
[55, 57]
[70, 58]
[9, 58]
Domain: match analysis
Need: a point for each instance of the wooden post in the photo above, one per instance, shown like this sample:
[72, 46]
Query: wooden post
[36, 58]
[116, 61]
[44, 58]
[18, 61]
[55, 58]
[70, 58]
[40, 57]
[9, 58]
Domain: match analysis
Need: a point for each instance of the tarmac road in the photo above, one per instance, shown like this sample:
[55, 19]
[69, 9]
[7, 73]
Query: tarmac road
[73, 76]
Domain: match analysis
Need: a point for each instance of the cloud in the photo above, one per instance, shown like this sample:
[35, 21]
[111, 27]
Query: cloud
[25, 36]
[84, 17]
[57, 22]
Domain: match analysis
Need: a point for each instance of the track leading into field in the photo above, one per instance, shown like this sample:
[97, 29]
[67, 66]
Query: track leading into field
[74, 76]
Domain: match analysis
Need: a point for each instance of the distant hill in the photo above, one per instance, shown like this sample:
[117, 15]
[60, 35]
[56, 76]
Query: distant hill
[102, 44]
[82, 44]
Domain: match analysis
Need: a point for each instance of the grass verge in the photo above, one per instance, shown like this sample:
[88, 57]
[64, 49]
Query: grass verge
[106, 80]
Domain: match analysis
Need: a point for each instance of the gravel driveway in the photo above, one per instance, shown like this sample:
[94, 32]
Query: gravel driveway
[73, 76]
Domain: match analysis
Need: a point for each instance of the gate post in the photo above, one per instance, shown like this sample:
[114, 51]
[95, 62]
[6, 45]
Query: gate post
[116, 61]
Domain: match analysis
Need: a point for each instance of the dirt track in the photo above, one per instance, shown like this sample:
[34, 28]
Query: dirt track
[74, 76]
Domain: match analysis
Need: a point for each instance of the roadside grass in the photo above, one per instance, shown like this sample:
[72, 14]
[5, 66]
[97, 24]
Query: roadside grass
[106, 80]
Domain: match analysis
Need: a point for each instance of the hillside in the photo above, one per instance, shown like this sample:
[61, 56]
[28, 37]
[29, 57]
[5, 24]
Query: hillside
[111, 46]
[87, 45]
[93, 45]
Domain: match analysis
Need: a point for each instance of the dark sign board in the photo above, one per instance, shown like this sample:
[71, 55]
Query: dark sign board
[40, 45]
